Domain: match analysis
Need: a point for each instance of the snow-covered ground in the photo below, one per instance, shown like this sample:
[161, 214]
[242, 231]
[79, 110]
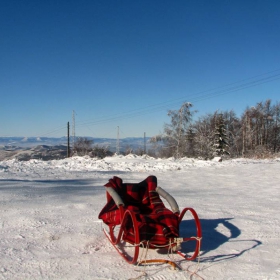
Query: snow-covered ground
[50, 227]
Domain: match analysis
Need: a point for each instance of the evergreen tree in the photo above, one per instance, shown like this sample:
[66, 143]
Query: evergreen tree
[220, 137]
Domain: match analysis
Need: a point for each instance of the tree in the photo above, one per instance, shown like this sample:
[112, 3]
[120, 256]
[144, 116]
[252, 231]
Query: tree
[221, 144]
[175, 132]
[82, 146]
[100, 151]
[255, 133]
[234, 132]
[258, 127]
[190, 137]
[204, 129]
[275, 138]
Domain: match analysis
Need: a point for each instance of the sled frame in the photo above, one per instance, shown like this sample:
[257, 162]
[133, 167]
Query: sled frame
[115, 238]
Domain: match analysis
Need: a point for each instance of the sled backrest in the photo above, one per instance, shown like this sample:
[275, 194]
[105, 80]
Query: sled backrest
[144, 195]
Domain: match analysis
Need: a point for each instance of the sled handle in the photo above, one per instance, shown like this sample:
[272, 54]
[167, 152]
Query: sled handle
[115, 196]
[170, 199]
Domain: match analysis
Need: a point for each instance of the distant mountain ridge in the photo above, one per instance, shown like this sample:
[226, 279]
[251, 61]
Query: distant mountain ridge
[28, 142]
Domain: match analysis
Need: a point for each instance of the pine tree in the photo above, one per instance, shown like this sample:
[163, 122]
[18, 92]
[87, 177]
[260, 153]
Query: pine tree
[220, 138]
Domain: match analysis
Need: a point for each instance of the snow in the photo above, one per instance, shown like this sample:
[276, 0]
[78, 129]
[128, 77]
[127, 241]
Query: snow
[50, 227]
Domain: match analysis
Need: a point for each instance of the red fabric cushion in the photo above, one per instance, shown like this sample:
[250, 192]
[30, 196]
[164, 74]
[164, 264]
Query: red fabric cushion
[156, 223]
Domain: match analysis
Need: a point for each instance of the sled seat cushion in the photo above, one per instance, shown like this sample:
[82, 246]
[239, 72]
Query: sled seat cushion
[156, 227]
[155, 222]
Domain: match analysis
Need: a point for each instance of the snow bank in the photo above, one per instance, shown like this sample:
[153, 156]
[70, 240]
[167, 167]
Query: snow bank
[71, 166]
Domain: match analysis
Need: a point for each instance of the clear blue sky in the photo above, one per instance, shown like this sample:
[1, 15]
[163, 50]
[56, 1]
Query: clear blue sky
[126, 63]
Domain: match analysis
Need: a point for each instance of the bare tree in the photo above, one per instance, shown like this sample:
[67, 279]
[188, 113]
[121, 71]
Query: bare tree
[100, 151]
[255, 133]
[204, 136]
[82, 146]
[275, 137]
[175, 132]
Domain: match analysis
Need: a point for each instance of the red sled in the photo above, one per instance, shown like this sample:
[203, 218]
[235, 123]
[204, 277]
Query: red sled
[137, 218]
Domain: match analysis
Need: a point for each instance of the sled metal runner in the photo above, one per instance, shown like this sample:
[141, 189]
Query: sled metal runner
[137, 219]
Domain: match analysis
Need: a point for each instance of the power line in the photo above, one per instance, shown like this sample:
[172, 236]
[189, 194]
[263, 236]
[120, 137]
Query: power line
[63, 127]
[194, 97]
[227, 89]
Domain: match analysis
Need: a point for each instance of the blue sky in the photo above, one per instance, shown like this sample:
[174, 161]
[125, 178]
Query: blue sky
[126, 63]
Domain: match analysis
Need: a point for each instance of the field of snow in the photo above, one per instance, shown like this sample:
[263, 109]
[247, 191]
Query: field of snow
[50, 227]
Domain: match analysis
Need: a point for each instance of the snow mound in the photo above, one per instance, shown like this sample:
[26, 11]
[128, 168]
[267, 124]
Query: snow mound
[119, 163]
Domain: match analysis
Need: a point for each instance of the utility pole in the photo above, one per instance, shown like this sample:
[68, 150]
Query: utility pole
[118, 142]
[68, 139]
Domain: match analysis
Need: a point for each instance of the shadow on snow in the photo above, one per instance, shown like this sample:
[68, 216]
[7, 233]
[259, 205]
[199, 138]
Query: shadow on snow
[213, 238]
[50, 187]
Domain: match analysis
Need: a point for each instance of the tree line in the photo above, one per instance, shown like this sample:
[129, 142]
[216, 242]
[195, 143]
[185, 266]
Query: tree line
[222, 133]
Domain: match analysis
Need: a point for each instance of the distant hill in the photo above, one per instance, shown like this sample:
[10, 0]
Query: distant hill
[15, 143]
[28, 142]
